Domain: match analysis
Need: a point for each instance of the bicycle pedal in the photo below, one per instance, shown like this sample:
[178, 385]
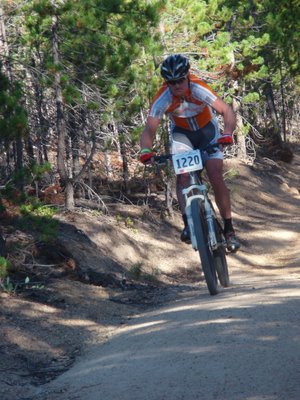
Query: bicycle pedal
[186, 241]
[232, 249]
[185, 236]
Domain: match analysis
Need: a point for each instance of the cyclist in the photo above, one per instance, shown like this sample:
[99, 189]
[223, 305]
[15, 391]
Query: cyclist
[191, 105]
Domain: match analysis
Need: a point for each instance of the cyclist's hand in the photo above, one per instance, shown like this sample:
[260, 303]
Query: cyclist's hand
[146, 156]
[225, 139]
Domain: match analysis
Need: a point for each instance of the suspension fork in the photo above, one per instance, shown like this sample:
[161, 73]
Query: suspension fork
[199, 190]
[209, 215]
[189, 194]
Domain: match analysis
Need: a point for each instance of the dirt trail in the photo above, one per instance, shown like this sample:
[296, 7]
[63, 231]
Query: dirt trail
[242, 344]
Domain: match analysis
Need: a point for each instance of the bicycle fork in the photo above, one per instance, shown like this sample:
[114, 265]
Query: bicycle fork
[200, 194]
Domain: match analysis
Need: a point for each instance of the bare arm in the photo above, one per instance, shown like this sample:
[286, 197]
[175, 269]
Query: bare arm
[148, 134]
[228, 115]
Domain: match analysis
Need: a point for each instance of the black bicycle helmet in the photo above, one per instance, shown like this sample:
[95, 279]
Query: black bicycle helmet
[175, 66]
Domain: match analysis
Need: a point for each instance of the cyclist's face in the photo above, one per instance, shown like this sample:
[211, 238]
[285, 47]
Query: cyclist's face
[178, 87]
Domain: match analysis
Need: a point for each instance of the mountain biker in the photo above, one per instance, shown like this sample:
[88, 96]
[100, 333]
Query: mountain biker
[191, 105]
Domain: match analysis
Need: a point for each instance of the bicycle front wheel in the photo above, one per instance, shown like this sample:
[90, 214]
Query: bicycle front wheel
[220, 257]
[205, 253]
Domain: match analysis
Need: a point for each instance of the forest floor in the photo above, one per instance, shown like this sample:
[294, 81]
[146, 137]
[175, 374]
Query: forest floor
[105, 269]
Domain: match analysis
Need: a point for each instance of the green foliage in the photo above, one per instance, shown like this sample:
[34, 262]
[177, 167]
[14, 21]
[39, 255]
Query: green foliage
[37, 171]
[46, 228]
[4, 267]
[8, 286]
[13, 117]
[127, 221]
[238, 46]
[13, 194]
[39, 219]
[114, 48]
[230, 174]
[106, 44]
[119, 218]
[5, 283]
[28, 175]
[36, 208]
[251, 98]
[136, 134]
[152, 277]
[136, 272]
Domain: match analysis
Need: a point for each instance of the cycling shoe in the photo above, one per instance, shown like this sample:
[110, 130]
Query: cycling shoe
[232, 242]
[185, 235]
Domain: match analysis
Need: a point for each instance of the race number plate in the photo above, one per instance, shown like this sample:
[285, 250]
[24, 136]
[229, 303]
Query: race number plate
[186, 162]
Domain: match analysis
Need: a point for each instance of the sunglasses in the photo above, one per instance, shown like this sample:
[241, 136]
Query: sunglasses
[174, 82]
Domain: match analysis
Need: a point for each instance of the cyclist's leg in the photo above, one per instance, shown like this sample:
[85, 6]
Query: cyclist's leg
[214, 169]
[214, 164]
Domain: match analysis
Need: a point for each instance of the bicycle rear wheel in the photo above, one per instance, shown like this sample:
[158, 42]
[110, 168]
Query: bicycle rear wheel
[220, 257]
[205, 253]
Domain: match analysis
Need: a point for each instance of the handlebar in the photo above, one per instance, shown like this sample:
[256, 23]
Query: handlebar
[162, 158]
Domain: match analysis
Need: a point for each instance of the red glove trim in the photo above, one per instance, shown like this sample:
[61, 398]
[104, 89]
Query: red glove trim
[225, 139]
[146, 157]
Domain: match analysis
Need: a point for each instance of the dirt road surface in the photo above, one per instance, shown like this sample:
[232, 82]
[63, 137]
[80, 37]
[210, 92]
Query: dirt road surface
[243, 344]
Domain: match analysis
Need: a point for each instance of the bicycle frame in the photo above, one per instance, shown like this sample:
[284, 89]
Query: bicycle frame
[206, 235]
[197, 189]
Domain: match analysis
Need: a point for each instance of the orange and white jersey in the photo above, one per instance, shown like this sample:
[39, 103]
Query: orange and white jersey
[192, 111]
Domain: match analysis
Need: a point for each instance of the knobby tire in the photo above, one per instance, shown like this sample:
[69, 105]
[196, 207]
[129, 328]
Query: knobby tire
[220, 257]
[206, 255]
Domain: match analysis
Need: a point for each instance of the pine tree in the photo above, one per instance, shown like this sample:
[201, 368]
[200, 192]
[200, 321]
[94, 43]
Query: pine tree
[96, 44]
[273, 26]
[13, 119]
[243, 49]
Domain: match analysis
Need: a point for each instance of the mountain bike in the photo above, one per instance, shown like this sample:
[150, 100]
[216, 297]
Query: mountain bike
[207, 235]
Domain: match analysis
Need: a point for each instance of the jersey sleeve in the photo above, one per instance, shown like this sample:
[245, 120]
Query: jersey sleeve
[160, 103]
[201, 91]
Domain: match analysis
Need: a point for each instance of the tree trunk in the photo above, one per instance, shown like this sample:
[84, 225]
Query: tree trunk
[168, 178]
[125, 166]
[88, 148]
[283, 104]
[75, 142]
[122, 144]
[29, 149]
[107, 164]
[42, 128]
[240, 138]
[3, 250]
[268, 90]
[69, 195]
[60, 122]
[4, 50]
[5, 58]
[169, 195]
